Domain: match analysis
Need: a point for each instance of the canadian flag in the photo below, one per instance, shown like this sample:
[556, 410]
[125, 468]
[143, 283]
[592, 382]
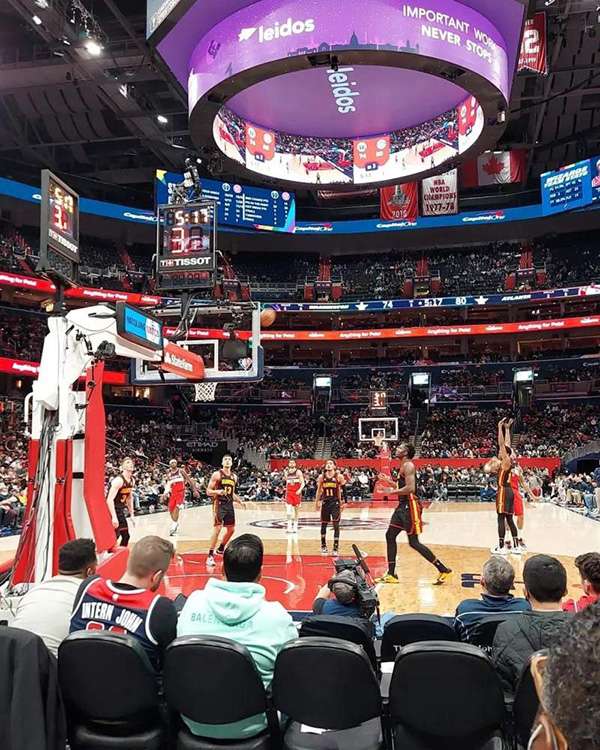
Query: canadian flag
[494, 168]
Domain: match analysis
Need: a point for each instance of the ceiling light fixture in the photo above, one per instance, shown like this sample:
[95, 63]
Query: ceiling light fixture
[37, 20]
[162, 119]
[93, 47]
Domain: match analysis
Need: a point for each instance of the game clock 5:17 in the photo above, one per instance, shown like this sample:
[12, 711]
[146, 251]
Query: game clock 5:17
[62, 209]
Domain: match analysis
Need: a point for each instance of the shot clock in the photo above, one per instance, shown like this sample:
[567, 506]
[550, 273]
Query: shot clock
[186, 246]
[59, 230]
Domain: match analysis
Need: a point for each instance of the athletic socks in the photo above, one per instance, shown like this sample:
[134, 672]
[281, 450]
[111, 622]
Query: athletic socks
[439, 566]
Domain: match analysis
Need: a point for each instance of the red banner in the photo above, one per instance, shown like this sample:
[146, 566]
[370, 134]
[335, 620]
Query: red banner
[440, 194]
[260, 143]
[480, 329]
[25, 369]
[551, 464]
[494, 168]
[43, 286]
[399, 202]
[534, 48]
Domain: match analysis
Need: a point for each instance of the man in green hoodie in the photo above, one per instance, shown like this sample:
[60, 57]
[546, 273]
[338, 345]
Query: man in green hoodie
[236, 609]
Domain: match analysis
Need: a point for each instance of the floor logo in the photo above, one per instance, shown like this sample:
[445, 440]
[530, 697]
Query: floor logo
[277, 31]
[312, 523]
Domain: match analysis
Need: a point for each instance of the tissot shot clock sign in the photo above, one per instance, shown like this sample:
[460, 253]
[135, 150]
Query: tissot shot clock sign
[186, 246]
[59, 229]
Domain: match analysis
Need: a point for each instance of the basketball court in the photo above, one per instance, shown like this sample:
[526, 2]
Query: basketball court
[459, 533]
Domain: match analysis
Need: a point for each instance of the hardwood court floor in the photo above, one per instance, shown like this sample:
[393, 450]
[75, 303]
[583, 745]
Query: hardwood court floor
[460, 534]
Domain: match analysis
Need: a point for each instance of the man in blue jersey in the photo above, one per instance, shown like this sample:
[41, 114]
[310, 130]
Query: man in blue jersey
[132, 605]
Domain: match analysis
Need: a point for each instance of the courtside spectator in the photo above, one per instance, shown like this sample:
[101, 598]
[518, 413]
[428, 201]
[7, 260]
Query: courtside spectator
[46, 609]
[567, 681]
[236, 608]
[131, 604]
[588, 566]
[545, 580]
[497, 579]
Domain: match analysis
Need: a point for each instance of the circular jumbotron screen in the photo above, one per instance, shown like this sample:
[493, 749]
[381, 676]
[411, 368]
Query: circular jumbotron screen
[310, 92]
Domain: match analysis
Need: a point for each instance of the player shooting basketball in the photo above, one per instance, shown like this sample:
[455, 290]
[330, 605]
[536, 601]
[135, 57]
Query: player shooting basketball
[408, 517]
[503, 466]
[222, 491]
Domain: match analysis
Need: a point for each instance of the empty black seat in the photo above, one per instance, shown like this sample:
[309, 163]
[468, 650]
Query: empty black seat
[445, 695]
[413, 628]
[483, 632]
[353, 629]
[525, 706]
[110, 691]
[214, 681]
[330, 685]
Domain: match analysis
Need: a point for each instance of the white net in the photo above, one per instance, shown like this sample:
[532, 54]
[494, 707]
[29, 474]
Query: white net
[205, 391]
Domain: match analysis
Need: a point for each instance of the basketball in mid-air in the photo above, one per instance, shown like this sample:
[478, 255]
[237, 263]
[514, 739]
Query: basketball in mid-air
[267, 318]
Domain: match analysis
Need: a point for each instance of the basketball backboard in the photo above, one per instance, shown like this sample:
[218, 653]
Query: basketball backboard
[372, 428]
[218, 333]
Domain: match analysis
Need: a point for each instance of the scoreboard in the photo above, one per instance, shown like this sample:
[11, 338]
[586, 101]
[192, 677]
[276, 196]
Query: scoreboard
[186, 246]
[574, 186]
[59, 230]
[238, 205]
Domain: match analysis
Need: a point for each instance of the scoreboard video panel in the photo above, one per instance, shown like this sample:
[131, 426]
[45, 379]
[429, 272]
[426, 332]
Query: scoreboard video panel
[186, 246]
[59, 229]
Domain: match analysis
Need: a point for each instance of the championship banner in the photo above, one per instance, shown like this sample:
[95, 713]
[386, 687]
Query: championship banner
[494, 168]
[399, 202]
[533, 55]
[439, 194]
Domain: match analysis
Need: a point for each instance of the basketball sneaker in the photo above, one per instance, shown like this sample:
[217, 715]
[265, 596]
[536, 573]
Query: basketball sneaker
[324, 551]
[210, 561]
[442, 577]
[522, 546]
[387, 578]
[499, 550]
[220, 549]
[335, 552]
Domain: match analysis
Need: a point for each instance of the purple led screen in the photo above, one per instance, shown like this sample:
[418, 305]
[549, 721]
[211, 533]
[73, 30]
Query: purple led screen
[266, 31]
[178, 45]
[323, 90]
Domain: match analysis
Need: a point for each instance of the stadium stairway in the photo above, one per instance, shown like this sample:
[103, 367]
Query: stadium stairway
[323, 449]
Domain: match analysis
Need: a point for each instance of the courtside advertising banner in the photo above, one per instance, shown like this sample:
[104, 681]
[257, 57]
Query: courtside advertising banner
[399, 202]
[440, 194]
[533, 56]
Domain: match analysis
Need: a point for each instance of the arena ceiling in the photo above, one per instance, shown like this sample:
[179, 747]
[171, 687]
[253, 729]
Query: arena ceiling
[94, 119]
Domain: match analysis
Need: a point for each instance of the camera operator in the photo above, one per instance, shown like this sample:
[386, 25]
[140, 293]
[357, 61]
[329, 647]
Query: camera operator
[338, 596]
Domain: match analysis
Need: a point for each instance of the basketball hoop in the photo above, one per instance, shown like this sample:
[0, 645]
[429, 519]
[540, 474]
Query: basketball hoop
[205, 391]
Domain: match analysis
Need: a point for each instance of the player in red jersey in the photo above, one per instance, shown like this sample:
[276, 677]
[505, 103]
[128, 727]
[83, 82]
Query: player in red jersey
[329, 502]
[177, 478]
[294, 485]
[222, 491]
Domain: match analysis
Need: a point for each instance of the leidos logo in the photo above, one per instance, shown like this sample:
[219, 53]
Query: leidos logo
[278, 31]
[342, 91]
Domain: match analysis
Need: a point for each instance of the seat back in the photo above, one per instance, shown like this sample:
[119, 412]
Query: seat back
[445, 690]
[482, 633]
[414, 628]
[212, 680]
[326, 683]
[353, 629]
[525, 706]
[107, 677]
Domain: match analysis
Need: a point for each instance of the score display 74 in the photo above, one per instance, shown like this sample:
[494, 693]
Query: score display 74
[186, 246]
